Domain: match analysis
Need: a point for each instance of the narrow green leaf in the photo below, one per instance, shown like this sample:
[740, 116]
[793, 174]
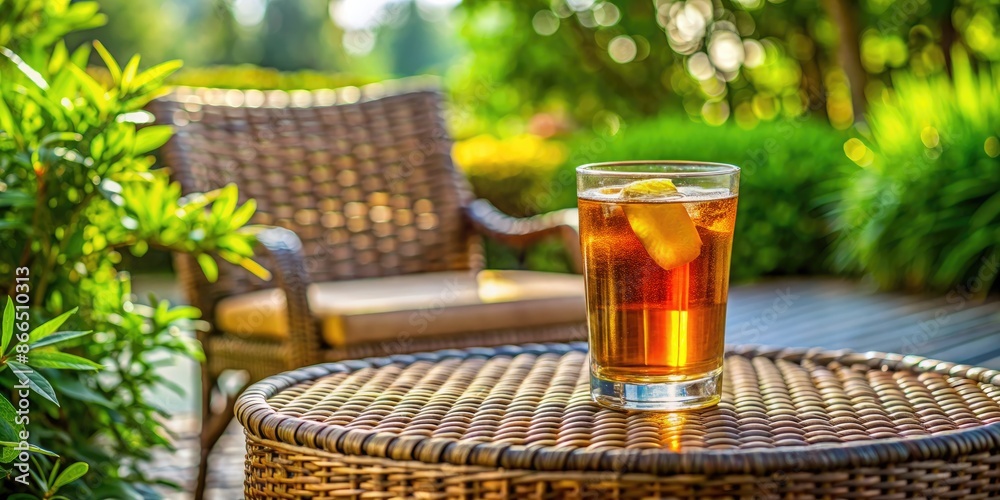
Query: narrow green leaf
[22, 496]
[144, 177]
[81, 55]
[49, 327]
[226, 203]
[73, 388]
[170, 385]
[229, 256]
[14, 198]
[7, 122]
[193, 348]
[60, 137]
[256, 269]
[35, 381]
[209, 267]
[243, 214]
[986, 213]
[238, 243]
[149, 138]
[155, 74]
[9, 429]
[8, 325]
[49, 103]
[128, 74]
[53, 472]
[58, 337]
[61, 361]
[12, 224]
[72, 473]
[25, 68]
[59, 57]
[196, 201]
[109, 61]
[93, 90]
[32, 448]
[84, 15]
[181, 312]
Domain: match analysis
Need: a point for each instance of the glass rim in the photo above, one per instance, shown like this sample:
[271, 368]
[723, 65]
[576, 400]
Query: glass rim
[606, 169]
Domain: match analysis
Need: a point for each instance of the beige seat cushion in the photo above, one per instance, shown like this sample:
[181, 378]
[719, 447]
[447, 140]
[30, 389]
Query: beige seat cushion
[415, 305]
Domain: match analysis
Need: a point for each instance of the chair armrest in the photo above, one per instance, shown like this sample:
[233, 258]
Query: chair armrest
[522, 231]
[284, 250]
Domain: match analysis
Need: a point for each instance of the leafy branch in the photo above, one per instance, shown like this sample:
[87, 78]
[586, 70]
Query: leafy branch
[34, 350]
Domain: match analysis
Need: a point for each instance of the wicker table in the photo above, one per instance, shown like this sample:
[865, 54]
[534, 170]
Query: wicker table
[517, 422]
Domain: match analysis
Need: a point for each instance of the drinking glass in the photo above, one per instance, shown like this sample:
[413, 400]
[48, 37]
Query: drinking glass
[657, 238]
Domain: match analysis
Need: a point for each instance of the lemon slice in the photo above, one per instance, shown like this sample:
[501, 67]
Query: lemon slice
[649, 188]
[665, 229]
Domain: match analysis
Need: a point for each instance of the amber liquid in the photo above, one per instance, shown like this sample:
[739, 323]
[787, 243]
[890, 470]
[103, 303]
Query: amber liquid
[649, 324]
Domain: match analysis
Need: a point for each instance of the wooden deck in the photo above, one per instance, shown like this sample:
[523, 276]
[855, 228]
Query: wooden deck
[828, 313]
[839, 314]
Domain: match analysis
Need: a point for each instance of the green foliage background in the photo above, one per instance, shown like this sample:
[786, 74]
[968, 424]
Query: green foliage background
[908, 199]
[922, 208]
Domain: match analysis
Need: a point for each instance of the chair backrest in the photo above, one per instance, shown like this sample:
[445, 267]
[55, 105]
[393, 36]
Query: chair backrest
[363, 176]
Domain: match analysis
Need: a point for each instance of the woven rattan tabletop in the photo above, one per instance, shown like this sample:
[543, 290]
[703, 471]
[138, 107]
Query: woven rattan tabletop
[528, 407]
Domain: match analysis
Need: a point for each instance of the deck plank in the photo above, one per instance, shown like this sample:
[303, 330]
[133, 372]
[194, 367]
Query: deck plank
[838, 314]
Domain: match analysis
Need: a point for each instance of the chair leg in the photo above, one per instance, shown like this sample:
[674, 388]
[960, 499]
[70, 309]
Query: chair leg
[213, 425]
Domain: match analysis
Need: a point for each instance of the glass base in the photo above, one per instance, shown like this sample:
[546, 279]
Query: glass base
[657, 394]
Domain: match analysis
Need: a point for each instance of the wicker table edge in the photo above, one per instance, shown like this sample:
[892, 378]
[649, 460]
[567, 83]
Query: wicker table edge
[263, 423]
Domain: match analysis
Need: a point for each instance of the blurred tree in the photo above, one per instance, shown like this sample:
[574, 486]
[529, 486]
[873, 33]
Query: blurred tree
[618, 60]
[605, 62]
[292, 36]
[844, 14]
[287, 35]
[197, 31]
[594, 63]
[418, 44]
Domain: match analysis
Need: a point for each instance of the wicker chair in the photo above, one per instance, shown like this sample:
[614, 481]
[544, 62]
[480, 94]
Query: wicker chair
[365, 201]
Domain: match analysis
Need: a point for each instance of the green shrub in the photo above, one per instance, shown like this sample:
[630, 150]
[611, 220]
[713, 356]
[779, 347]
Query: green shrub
[923, 208]
[790, 169]
[511, 173]
[76, 190]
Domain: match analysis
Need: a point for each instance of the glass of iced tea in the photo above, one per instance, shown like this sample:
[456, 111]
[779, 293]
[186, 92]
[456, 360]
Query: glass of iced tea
[657, 238]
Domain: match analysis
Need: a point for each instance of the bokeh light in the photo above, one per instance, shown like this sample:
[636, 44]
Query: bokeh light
[607, 14]
[545, 22]
[992, 146]
[858, 152]
[580, 5]
[726, 51]
[249, 13]
[715, 112]
[622, 49]
[753, 53]
[700, 67]
[685, 23]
